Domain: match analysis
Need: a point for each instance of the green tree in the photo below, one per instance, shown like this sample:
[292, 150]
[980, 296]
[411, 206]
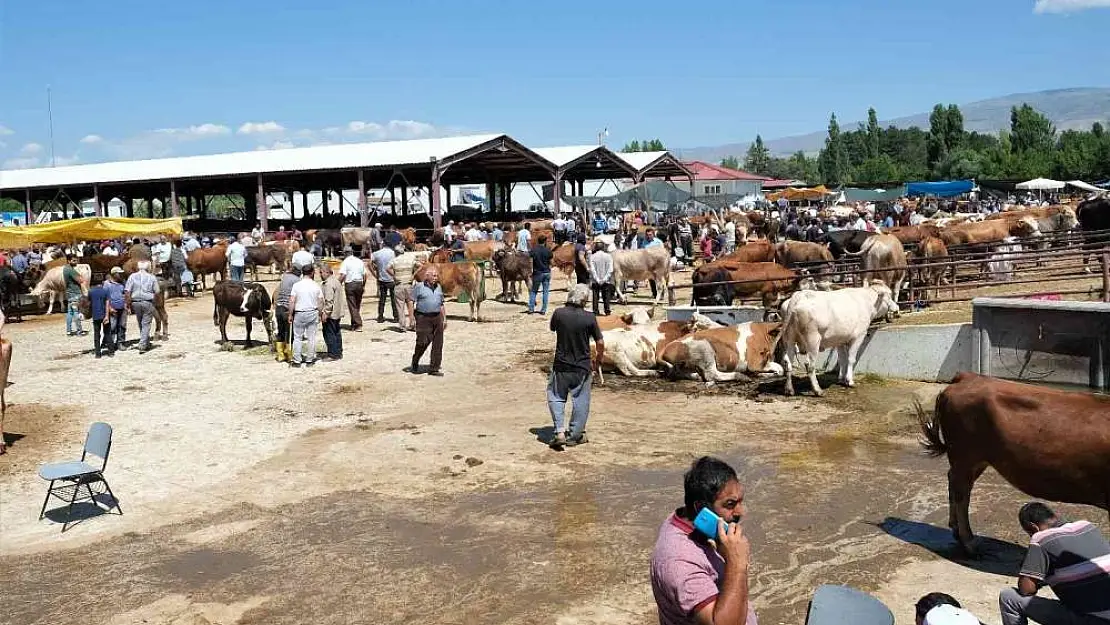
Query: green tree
[633, 146]
[954, 128]
[1077, 155]
[758, 158]
[877, 170]
[730, 162]
[1031, 131]
[874, 134]
[833, 160]
[647, 145]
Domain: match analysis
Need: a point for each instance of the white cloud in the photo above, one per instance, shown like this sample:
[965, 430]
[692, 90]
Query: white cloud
[196, 132]
[1068, 6]
[25, 162]
[31, 148]
[90, 139]
[250, 128]
[393, 129]
[4, 131]
[64, 161]
[277, 145]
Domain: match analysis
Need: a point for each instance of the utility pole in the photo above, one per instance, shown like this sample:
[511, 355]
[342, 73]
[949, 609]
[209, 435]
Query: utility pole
[50, 120]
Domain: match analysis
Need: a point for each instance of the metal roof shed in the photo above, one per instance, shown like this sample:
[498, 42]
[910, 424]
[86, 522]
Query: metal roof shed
[431, 162]
[656, 165]
[579, 163]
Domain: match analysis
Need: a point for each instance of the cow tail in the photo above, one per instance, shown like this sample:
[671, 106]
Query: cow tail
[932, 439]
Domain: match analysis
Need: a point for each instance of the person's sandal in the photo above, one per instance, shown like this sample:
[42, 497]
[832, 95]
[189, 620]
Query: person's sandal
[558, 442]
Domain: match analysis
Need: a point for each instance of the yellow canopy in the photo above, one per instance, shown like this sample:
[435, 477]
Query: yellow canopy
[86, 229]
[795, 195]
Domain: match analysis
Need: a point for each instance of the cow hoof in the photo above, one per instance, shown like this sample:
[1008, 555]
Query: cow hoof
[819, 392]
[789, 392]
[227, 347]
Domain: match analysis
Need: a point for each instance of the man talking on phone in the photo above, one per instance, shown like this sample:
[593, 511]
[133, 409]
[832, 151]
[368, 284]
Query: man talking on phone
[698, 579]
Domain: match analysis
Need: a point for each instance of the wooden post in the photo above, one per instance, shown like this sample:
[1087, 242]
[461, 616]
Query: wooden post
[304, 204]
[405, 199]
[324, 205]
[99, 212]
[173, 199]
[437, 203]
[363, 208]
[393, 201]
[1106, 274]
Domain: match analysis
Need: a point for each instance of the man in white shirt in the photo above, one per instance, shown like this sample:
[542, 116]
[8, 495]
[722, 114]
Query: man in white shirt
[352, 273]
[402, 268]
[449, 232]
[612, 224]
[306, 313]
[161, 254]
[601, 276]
[237, 258]
[559, 225]
[301, 258]
[473, 234]
[730, 236]
[524, 238]
[257, 235]
[381, 260]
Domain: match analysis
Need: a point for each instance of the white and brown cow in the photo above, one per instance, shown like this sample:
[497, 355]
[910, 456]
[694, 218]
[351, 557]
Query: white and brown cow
[5, 364]
[814, 321]
[724, 354]
[884, 260]
[52, 286]
[634, 350]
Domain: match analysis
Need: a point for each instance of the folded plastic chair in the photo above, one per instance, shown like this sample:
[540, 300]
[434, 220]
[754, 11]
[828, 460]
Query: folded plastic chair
[840, 605]
[68, 478]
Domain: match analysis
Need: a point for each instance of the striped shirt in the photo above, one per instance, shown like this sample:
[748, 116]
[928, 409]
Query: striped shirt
[142, 286]
[1074, 559]
[686, 573]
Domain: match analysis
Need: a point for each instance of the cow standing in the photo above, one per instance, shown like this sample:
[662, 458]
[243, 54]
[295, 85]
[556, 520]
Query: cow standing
[932, 250]
[814, 321]
[5, 365]
[513, 267]
[719, 283]
[204, 261]
[653, 263]
[1049, 444]
[884, 259]
[458, 278]
[52, 286]
[248, 300]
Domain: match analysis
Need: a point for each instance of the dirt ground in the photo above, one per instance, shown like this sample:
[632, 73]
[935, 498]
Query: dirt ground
[354, 493]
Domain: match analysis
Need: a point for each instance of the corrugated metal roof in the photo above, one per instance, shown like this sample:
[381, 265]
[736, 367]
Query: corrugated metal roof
[640, 160]
[344, 156]
[561, 155]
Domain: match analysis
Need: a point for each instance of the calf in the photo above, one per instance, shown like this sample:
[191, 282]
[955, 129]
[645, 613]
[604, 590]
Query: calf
[248, 300]
[514, 267]
[814, 321]
[724, 354]
[932, 250]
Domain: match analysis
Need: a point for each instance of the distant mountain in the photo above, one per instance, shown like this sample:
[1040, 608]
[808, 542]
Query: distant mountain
[1067, 108]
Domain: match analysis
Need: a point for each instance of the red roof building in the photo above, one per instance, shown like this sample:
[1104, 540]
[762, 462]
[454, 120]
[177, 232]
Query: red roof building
[710, 179]
[709, 171]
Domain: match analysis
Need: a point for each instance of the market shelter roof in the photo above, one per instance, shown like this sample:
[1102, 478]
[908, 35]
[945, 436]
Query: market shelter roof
[87, 229]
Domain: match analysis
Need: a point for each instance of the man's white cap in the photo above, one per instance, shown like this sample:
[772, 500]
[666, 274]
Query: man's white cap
[950, 615]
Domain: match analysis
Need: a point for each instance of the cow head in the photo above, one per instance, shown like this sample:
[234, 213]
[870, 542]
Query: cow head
[707, 293]
[760, 353]
[638, 316]
[885, 306]
[1024, 227]
[699, 322]
[1065, 218]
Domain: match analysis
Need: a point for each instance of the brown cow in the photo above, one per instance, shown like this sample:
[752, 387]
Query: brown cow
[204, 261]
[1058, 218]
[1049, 444]
[810, 258]
[758, 251]
[5, 364]
[275, 256]
[513, 266]
[932, 250]
[725, 354]
[913, 234]
[634, 349]
[481, 250]
[458, 278]
[986, 231]
[627, 320]
[770, 281]
[884, 260]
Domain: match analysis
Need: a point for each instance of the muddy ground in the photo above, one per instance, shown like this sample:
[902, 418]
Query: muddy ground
[354, 493]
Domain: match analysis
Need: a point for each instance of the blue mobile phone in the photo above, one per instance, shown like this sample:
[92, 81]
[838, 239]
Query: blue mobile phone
[706, 523]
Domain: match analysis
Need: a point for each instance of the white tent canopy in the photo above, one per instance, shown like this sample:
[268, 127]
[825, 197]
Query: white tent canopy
[1079, 184]
[1040, 184]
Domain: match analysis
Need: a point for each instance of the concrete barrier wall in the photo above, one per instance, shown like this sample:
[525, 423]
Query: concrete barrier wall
[933, 353]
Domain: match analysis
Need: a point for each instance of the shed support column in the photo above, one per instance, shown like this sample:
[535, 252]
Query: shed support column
[447, 194]
[324, 204]
[304, 204]
[263, 208]
[29, 217]
[405, 199]
[437, 206]
[129, 206]
[96, 201]
[557, 193]
[363, 209]
[393, 200]
[173, 199]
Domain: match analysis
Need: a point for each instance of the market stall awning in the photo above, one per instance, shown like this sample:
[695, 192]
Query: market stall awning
[1040, 184]
[796, 195]
[871, 195]
[1079, 184]
[949, 188]
[87, 229]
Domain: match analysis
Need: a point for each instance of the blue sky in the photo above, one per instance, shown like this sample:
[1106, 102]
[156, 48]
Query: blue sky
[145, 79]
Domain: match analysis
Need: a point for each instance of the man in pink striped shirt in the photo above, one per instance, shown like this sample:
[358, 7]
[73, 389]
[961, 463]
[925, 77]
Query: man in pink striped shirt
[1072, 558]
[696, 580]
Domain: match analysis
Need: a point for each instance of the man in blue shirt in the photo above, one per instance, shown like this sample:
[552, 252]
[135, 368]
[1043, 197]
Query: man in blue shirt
[541, 274]
[431, 320]
[98, 305]
[19, 263]
[116, 333]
